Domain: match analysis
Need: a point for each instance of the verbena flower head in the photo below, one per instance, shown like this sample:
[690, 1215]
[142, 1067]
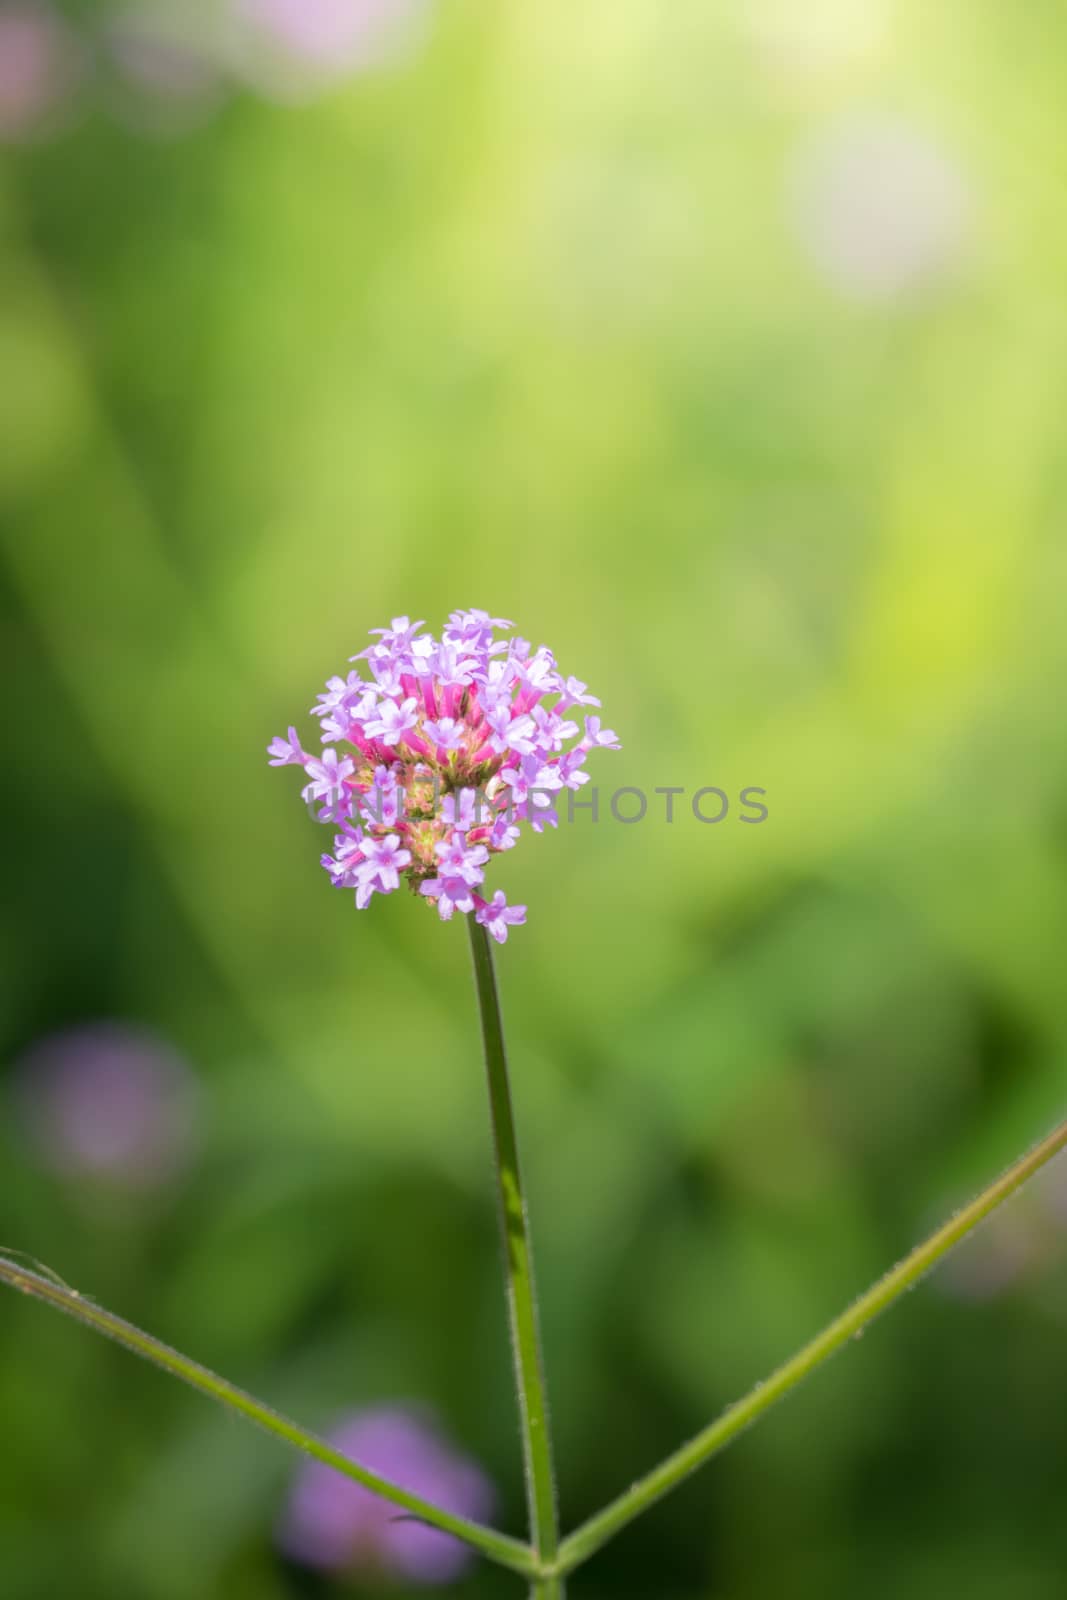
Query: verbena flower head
[435, 762]
[336, 1525]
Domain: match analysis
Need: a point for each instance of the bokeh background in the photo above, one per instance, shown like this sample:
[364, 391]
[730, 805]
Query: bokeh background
[724, 347]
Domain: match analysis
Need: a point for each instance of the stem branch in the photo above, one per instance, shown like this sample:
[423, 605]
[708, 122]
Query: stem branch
[498, 1547]
[904, 1276]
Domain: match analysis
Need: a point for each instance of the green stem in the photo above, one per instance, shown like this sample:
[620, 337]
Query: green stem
[498, 1547]
[522, 1296]
[602, 1527]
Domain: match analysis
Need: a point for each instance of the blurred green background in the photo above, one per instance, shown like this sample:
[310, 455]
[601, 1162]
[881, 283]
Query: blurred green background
[724, 347]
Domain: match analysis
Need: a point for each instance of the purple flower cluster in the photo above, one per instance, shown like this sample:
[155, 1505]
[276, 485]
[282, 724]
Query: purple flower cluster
[434, 763]
[336, 1525]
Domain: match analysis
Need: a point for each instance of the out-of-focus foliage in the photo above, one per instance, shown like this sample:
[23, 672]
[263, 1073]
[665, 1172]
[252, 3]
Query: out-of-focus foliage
[723, 347]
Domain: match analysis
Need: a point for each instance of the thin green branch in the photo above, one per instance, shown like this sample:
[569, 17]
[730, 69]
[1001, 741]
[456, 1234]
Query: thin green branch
[521, 1293]
[599, 1529]
[498, 1547]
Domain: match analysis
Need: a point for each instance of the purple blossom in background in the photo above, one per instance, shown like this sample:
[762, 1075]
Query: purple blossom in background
[39, 65]
[454, 745]
[108, 1100]
[290, 45]
[164, 66]
[336, 1525]
[881, 209]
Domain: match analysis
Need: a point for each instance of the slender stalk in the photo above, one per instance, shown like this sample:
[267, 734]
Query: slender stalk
[522, 1295]
[602, 1527]
[498, 1547]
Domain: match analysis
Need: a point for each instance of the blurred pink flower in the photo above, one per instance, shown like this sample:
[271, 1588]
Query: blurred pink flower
[39, 65]
[291, 43]
[881, 209]
[336, 1525]
[108, 1100]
